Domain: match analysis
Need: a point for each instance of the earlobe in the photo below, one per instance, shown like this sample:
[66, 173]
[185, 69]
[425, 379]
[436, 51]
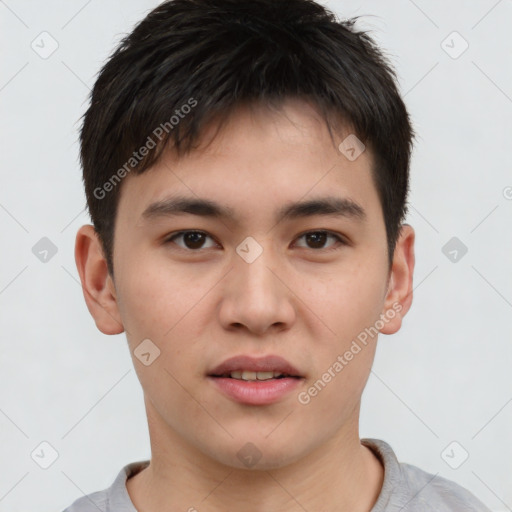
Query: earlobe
[399, 294]
[97, 284]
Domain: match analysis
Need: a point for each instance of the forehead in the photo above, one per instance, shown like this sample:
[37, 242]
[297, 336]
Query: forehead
[259, 159]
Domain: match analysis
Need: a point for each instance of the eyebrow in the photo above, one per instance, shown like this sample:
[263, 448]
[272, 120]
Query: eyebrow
[326, 206]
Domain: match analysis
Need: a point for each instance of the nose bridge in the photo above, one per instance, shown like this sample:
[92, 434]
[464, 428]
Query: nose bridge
[253, 265]
[255, 297]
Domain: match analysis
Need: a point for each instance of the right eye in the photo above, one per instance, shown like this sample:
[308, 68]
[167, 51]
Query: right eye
[192, 240]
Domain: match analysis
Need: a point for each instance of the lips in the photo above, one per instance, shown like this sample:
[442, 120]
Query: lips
[256, 381]
[271, 363]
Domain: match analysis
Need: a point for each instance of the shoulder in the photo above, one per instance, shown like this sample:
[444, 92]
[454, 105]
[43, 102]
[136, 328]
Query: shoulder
[426, 491]
[411, 489]
[97, 501]
[113, 499]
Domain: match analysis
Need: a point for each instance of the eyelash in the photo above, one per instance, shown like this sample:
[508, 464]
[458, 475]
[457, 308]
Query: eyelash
[335, 247]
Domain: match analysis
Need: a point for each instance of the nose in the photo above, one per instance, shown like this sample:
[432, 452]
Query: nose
[256, 296]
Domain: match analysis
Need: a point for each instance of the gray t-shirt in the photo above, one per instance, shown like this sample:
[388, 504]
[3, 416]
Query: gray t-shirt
[406, 488]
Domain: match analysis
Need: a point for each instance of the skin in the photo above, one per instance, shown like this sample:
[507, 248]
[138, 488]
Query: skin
[297, 299]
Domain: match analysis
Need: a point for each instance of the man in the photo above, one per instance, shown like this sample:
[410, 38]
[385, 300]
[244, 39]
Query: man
[246, 170]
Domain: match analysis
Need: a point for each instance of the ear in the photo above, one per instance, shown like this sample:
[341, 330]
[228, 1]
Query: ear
[399, 293]
[97, 283]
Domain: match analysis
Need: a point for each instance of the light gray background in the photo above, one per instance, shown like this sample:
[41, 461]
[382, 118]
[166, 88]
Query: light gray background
[446, 376]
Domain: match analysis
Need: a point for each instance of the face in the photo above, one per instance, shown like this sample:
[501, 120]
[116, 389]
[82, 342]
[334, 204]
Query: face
[204, 287]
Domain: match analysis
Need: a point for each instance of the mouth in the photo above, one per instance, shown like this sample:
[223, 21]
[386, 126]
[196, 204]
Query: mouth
[251, 376]
[246, 367]
[255, 381]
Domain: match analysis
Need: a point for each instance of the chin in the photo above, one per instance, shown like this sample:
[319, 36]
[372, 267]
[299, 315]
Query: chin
[257, 455]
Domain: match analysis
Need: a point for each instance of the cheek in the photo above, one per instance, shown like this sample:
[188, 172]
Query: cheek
[347, 301]
[171, 309]
[355, 306]
[155, 299]
[140, 301]
[162, 309]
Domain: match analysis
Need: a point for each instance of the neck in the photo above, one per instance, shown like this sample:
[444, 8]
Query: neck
[341, 474]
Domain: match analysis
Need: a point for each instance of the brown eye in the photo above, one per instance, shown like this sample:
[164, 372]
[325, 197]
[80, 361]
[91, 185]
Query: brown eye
[191, 240]
[318, 239]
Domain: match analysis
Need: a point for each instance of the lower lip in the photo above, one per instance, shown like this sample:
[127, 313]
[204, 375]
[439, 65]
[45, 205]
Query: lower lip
[259, 392]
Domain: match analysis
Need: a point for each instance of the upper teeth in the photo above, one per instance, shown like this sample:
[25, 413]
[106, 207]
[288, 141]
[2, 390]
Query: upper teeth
[247, 375]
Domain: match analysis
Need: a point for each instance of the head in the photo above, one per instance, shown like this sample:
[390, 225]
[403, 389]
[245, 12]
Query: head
[244, 108]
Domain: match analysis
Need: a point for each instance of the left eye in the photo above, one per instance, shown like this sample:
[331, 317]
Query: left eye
[318, 239]
[194, 240]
